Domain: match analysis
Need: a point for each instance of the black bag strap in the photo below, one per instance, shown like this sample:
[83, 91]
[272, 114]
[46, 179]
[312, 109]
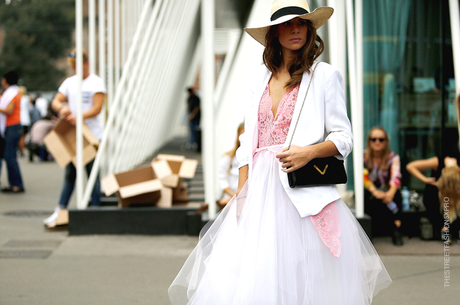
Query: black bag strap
[308, 89]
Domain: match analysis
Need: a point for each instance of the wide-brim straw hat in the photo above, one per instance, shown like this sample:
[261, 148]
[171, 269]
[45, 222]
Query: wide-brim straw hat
[285, 10]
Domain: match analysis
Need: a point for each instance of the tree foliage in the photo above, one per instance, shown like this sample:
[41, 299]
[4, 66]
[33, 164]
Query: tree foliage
[37, 33]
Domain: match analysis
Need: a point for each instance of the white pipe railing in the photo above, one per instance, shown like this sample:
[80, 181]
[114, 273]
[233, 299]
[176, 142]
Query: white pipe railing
[132, 112]
[79, 133]
[356, 112]
[131, 94]
[117, 42]
[337, 44]
[92, 35]
[207, 90]
[145, 101]
[359, 136]
[160, 110]
[111, 117]
[110, 52]
[102, 39]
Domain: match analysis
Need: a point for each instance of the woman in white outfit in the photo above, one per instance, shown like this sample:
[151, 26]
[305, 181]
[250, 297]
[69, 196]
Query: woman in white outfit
[228, 171]
[272, 244]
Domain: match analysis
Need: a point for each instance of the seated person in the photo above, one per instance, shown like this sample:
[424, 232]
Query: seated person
[431, 193]
[228, 172]
[382, 199]
[449, 196]
[38, 132]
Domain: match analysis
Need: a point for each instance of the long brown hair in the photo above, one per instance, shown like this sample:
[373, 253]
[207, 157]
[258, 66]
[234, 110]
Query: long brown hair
[312, 49]
[449, 194]
[369, 154]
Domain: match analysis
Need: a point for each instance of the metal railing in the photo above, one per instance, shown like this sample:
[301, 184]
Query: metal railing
[146, 102]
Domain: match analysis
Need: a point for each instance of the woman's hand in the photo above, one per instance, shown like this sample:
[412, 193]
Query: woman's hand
[72, 119]
[431, 181]
[242, 178]
[378, 194]
[295, 158]
[388, 197]
[64, 111]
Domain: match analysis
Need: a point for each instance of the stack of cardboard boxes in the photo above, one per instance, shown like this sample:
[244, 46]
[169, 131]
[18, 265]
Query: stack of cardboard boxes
[160, 183]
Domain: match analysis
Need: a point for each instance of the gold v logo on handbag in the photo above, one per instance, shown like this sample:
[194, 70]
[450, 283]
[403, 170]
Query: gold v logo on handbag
[321, 172]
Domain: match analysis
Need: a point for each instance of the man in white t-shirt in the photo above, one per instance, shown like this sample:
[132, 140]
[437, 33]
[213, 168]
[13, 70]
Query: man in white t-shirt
[93, 95]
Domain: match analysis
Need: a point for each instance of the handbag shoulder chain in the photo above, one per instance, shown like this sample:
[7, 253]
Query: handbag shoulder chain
[300, 112]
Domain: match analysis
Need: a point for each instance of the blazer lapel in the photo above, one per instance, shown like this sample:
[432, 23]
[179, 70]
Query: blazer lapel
[298, 105]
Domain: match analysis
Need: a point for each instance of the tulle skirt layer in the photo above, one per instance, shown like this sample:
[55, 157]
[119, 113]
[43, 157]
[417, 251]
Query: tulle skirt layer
[259, 251]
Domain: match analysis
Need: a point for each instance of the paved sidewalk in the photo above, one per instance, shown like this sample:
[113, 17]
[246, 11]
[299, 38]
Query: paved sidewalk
[127, 269]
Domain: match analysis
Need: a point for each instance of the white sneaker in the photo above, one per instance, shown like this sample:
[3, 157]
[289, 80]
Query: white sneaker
[53, 216]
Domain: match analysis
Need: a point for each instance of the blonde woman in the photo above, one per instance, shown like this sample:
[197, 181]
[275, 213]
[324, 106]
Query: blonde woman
[228, 171]
[272, 244]
[431, 195]
[449, 197]
[382, 179]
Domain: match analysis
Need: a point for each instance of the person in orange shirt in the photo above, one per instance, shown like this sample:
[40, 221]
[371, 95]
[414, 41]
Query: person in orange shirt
[11, 130]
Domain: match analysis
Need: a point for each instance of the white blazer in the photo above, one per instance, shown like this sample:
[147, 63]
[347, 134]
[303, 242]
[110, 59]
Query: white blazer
[323, 118]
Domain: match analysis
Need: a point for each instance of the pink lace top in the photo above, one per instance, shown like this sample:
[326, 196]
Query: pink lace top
[273, 131]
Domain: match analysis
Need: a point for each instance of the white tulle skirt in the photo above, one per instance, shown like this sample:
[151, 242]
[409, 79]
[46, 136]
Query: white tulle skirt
[259, 251]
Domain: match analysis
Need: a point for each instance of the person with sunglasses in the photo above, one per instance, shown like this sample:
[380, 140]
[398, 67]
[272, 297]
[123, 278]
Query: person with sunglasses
[382, 179]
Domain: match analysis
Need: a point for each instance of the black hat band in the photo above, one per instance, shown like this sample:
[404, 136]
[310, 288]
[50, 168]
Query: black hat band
[290, 10]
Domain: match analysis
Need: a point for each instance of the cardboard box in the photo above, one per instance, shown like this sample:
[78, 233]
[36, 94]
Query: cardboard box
[180, 193]
[141, 185]
[62, 142]
[180, 167]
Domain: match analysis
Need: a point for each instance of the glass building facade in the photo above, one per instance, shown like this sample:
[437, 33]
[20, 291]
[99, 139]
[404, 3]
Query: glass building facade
[408, 84]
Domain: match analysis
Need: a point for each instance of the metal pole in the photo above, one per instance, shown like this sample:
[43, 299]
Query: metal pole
[337, 48]
[110, 51]
[124, 32]
[359, 137]
[79, 66]
[92, 35]
[455, 34]
[356, 114]
[102, 39]
[117, 41]
[207, 103]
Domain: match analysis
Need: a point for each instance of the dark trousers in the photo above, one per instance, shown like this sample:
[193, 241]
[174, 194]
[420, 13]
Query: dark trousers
[69, 184]
[11, 141]
[382, 217]
[193, 139]
[39, 150]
